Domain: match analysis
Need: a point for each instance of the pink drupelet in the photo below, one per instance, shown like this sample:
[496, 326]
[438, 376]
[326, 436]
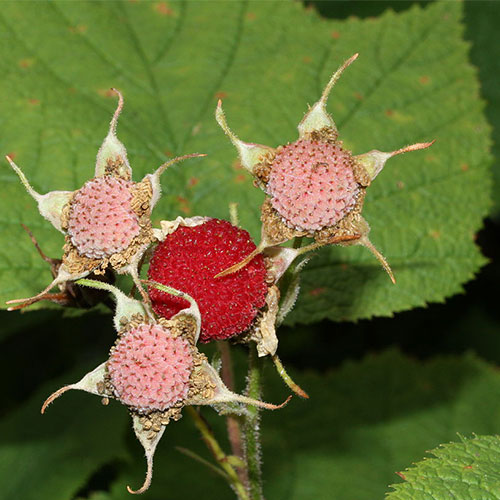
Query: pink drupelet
[150, 369]
[312, 184]
[101, 221]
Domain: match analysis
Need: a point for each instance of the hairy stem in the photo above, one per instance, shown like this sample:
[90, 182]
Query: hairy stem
[251, 427]
[219, 455]
[232, 423]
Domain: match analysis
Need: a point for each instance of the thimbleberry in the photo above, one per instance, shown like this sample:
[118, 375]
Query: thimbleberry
[155, 369]
[189, 259]
[107, 221]
[315, 187]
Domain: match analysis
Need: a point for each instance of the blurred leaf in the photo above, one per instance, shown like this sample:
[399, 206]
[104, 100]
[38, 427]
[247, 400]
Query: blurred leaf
[482, 20]
[468, 470]
[52, 456]
[268, 60]
[362, 424]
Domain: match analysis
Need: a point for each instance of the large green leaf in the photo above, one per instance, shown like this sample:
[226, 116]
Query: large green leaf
[362, 424]
[468, 470]
[268, 60]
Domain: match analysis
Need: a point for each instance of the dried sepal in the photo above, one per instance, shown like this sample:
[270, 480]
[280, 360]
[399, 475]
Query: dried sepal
[154, 178]
[149, 440]
[92, 382]
[374, 161]
[361, 228]
[126, 307]
[112, 155]
[264, 332]
[220, 394]
[292, 292]
[168, 227]
[193, 310]
[63, 275]
[50, 205]
[250, 154]
[317, 118]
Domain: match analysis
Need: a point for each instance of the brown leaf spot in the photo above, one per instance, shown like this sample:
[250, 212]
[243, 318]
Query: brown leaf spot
[468, 467]
[389, 112]
[307, 60]
[240, 178]
[184, 206]
[316, 292]
[335, 35]
[435, 234]
[12, 155]
[220, 95]
[401, 475]
[193, 181]
[400, 184]
[106, 93]
[34, 102]
[237, 165]
[168, 153]
[26, 63]
[464, 167]
[251, 16]
[79, 29]
[196, 129]
[163, 9]
[358, 96]
[424, 80]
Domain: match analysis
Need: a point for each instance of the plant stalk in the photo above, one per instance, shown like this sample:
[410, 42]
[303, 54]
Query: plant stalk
[232, 423]
[219, 455]
[252, 427]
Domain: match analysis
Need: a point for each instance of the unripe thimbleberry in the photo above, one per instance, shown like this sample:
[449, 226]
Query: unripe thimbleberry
[155, 370]
[315, 187]
[106, 221]
[149, 368]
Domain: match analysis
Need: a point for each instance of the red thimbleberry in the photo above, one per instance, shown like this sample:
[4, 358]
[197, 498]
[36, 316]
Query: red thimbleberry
[189, 259]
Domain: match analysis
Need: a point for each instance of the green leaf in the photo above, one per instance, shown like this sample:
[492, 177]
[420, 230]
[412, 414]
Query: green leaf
[268, 60]
[362, 423]
[468, 470]
[52, 456]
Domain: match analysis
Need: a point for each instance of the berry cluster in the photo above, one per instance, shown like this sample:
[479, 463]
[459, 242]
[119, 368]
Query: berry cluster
[207, 278]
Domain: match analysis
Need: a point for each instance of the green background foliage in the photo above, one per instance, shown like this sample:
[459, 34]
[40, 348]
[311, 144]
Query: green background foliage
[369, 415]
[268, 61]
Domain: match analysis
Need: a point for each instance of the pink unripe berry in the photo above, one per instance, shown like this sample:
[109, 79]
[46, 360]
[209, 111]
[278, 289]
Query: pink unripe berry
[312, 184]
[101, 221]
[150, 369]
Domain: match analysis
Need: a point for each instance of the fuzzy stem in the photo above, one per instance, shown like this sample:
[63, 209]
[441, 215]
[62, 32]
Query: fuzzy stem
[219, 455]
[251, 428]
[233, 423]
